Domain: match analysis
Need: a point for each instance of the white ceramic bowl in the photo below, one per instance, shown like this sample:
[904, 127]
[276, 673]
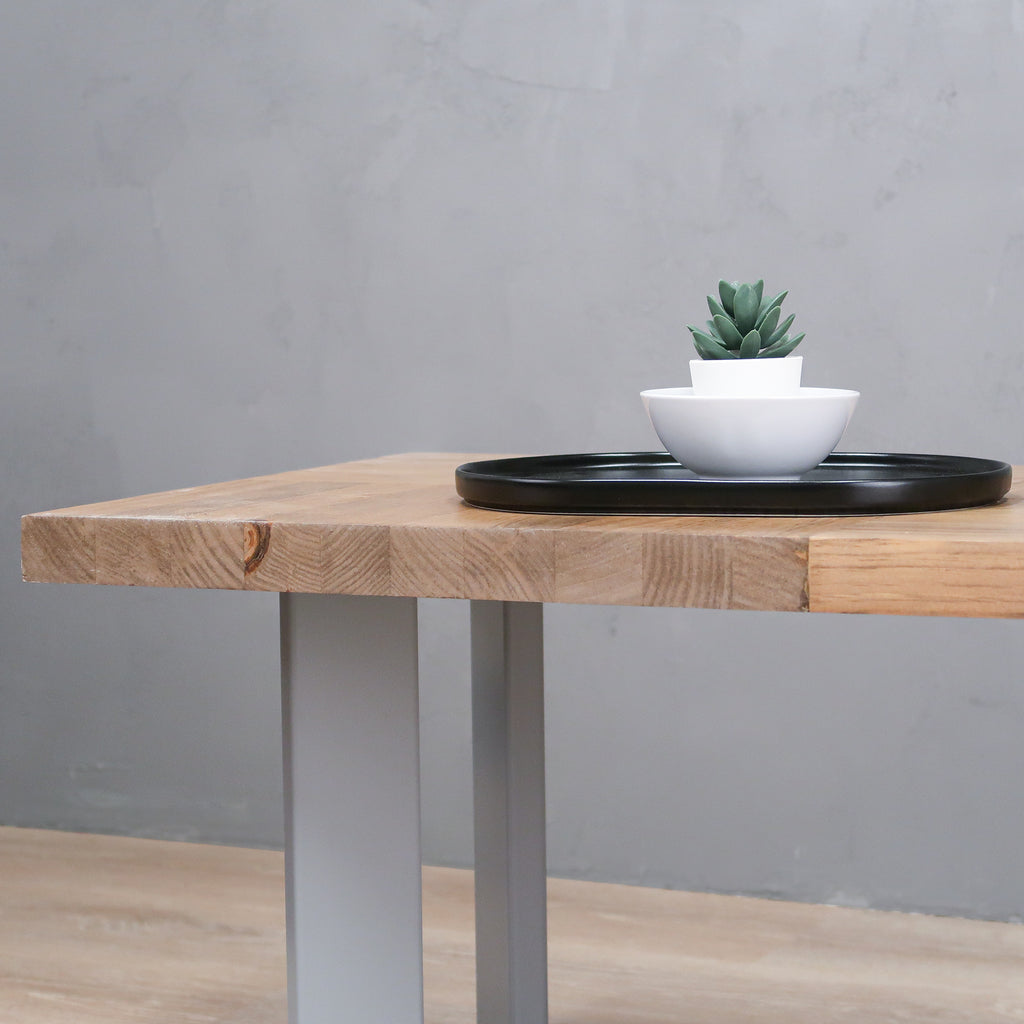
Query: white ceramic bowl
[753, 436]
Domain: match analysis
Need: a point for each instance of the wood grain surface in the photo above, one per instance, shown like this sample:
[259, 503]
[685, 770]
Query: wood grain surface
[106, 930]
[395, 526]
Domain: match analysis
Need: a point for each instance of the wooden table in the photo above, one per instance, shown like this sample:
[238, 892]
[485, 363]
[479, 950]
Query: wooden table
[350, 548]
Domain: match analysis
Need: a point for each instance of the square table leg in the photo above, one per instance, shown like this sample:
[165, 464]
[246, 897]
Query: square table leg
[509, 812]
[352, 809]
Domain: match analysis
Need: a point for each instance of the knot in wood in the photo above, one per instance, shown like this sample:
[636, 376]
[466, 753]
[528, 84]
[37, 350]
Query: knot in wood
[257, 541]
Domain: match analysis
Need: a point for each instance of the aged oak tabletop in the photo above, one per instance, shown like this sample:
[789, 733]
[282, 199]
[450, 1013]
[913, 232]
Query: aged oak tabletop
[395, 526]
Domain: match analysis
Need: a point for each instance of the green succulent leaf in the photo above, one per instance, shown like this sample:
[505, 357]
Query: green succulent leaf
[727, 291]
[767, 324]
[727, 332]
[759, 291]
[751, 345]
[713, 330]
[780, 332]
[772, 350]
[708, 347]
[717, 309]
[745, 307]
[782, 348]
[767, 305]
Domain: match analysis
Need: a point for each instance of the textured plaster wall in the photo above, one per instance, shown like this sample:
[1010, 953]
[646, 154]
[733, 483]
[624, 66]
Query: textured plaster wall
[241, 236]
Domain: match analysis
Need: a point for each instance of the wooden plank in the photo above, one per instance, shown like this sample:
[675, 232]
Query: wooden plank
[58, 549]
[108, 930]
[169, 553]
[356, 560]
[694, 571]
[595, 563]
[516, 563]
[914, 575]
[283, 560]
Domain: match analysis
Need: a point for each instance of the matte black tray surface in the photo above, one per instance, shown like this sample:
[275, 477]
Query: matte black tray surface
[653, 483]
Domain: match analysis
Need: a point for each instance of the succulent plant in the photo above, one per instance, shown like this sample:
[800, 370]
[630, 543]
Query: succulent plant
[745, 324]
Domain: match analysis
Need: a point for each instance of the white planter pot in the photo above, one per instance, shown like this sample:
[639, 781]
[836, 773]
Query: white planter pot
[746, 376]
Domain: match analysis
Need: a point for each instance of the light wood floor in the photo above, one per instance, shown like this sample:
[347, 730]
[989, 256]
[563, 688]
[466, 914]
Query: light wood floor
[99, 930]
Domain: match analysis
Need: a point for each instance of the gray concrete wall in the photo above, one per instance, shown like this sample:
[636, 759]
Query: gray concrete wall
[242, 237]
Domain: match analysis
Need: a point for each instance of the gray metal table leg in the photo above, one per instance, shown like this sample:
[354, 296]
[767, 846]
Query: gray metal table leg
[509, 812]
[351, 745]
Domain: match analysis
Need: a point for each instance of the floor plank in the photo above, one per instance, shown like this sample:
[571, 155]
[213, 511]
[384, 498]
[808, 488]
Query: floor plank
[103, 930]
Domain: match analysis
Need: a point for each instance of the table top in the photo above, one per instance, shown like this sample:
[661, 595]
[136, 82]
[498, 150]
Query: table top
[395, 526]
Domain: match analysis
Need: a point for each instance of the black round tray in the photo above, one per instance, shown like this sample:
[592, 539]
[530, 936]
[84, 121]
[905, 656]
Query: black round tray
[653, 483]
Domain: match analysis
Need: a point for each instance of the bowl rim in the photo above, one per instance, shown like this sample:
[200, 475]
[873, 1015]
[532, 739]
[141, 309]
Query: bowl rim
[801, 395]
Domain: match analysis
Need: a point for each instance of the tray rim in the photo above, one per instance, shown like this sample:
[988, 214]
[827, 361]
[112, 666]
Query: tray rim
[697, 496]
